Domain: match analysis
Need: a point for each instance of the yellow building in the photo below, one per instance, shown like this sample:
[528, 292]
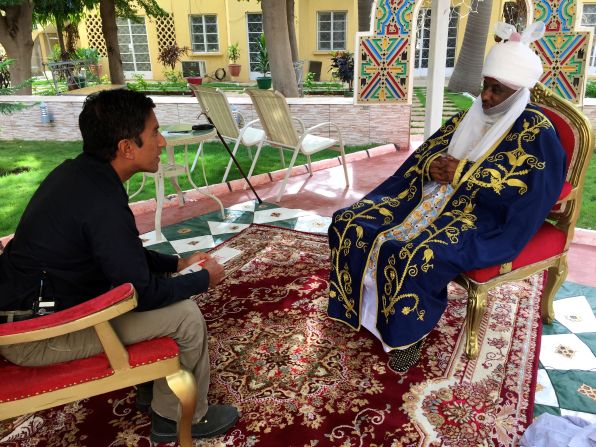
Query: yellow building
[207, 27]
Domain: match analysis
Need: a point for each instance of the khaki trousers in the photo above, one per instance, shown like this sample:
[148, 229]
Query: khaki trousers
[182, 321]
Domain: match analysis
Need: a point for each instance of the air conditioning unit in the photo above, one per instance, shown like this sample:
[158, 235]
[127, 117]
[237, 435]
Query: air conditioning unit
[194, 68]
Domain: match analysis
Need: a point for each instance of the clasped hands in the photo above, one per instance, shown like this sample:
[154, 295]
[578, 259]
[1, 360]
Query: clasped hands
[215, 269]
[442, 169]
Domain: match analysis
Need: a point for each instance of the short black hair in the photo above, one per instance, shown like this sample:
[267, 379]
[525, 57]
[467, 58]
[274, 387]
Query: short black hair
[110, 116]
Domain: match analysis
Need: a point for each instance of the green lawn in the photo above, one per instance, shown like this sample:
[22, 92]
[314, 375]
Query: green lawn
[40, 157]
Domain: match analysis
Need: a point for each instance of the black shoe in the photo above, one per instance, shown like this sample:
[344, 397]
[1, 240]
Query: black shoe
[144, 396]
[218, 420]
[401, 360]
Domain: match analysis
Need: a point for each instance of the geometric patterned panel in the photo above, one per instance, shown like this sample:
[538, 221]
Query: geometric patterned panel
[564, 57]
[564, 51]
[393, 17]
[95, 34]
[383, 70]
[166, 33]
[558, 16]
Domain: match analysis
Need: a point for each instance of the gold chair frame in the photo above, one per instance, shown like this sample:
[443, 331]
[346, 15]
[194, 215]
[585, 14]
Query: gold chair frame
[564, 219]
[181, 381]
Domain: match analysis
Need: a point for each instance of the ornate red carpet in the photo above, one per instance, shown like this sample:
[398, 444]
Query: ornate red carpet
[301, 379]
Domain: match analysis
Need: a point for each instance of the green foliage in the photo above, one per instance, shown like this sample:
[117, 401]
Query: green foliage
[130, 9]
[169, 56]
[6, 89]
[263, 56]
[591, 89]
[174, 77]
[309, 79]
[56, 54]
[342, 66]
[87, 54]
[139, 84]
[233, 53]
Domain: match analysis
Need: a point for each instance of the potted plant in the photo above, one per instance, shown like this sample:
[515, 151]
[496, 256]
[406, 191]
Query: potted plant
[342, 64]
[170, 55]
[263, 82]
[233, 56]
[194, 78]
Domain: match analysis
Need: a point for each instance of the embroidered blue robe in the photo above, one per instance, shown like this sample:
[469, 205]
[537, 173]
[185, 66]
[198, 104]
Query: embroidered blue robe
[498, 204]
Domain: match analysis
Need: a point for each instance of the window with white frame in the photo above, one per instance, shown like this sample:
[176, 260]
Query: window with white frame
[203, 34]
[331, 30]
[589, 20]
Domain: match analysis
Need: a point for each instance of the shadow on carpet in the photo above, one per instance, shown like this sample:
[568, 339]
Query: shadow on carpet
[301, 379]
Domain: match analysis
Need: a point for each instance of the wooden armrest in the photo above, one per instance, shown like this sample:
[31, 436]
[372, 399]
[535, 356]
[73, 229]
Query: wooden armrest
[90, 313]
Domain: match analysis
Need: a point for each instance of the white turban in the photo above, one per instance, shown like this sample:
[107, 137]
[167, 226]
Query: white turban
[513, 63]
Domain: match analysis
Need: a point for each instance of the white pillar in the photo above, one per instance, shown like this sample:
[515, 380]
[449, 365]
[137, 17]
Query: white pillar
[437, 61]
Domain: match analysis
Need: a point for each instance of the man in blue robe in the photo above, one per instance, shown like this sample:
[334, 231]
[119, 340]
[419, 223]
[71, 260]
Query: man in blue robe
[470, 197]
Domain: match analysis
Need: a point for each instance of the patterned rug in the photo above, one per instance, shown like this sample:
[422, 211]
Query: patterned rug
[301, 379]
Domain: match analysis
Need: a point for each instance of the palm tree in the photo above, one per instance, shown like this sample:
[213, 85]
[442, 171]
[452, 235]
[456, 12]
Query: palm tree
[467, 74]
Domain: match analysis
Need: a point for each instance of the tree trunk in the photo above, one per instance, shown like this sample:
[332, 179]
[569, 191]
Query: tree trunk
[467, 74]
[292, 30]
[16, 26]
[60, 33]
[364, 13]
[278, 46]
[107, 11]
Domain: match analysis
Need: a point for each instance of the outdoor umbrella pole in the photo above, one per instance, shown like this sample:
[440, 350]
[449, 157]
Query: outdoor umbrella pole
[233, 157]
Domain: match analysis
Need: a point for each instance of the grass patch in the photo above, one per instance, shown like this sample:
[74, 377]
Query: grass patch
[27, 163]
[462, 102]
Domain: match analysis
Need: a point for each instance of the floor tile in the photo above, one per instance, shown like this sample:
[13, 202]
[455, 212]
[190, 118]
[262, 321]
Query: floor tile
[566, 351]
[313, 224]
[590, 417]
[545, 393]
[539, 409]
[217, 228]
[575, 314]
[575, 389]
[193, 244]
[274, 215]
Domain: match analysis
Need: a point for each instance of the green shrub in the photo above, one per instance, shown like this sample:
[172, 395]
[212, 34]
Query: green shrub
[591, 89]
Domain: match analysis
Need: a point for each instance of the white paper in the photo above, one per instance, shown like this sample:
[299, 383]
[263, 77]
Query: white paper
[196, 267]
[224, 254]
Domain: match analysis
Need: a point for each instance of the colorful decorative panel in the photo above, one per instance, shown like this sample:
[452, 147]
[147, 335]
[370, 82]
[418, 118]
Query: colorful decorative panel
[564, 51]
[559, 16]
[393, 17]
[384, 57]
[383, 70]
[564, 58]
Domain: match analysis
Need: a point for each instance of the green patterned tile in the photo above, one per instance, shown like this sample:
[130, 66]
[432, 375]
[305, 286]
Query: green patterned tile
[186, 229]
[539, 409]
[569, 289]
[288, 223]
[589, 338]
[218, 239]
[265, 206]
[554, 328]
[163, 248]
[567, 384]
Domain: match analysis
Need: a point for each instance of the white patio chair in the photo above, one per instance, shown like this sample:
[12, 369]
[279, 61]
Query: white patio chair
[214, 103]
[276, 119]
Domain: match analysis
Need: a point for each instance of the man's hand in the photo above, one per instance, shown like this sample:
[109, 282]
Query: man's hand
[442, 169]
[216, 271]
[192, 259]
